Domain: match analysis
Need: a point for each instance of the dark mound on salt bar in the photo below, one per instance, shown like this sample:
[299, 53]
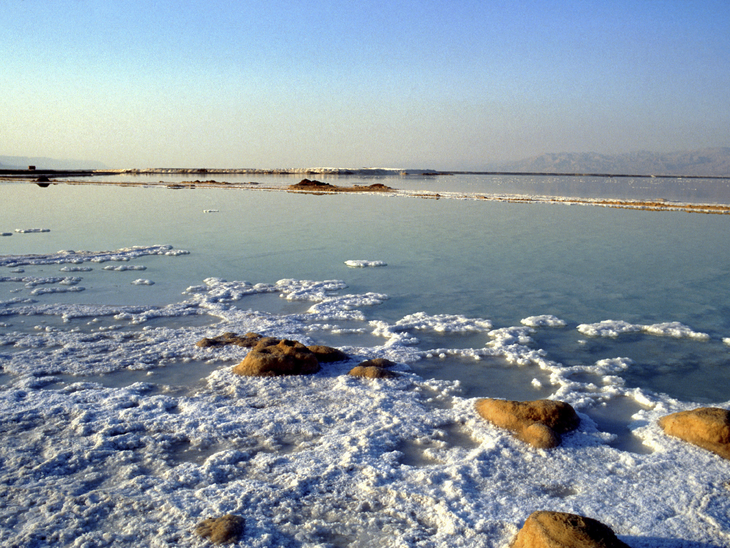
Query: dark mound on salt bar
[310, 185]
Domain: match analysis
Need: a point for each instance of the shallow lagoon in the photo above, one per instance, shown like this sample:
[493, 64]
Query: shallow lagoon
[329, 460]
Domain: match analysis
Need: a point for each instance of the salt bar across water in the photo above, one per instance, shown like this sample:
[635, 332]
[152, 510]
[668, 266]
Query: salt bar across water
[117, 428]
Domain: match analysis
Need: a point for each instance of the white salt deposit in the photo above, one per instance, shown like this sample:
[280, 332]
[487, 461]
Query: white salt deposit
[31, 230]
[546, 320]
[142, 281]
[355, 263]
[611, 328]
[101, 447]
[124, 268]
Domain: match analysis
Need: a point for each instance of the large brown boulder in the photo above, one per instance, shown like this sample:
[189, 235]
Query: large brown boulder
[560, 530]
[272, 357]
[224, 529]
[706, 427]
[538, 423]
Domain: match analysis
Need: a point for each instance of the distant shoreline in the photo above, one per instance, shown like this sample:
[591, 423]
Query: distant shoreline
[22, 174]
[325, 188]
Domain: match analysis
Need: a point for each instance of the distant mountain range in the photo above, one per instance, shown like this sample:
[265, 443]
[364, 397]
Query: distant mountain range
[713, 162]
[22, 162]
[706, 162]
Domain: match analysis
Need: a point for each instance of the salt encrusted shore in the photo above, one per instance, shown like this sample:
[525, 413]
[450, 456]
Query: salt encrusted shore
[641, 205]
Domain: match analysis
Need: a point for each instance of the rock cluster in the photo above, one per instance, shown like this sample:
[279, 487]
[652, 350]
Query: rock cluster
[222, 530]
[706, 427]
[538, 423]
[270, 357]
[561, 530]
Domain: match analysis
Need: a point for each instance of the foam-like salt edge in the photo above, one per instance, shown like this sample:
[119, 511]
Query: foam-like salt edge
[358, 263]
[612, 328]
[321, 459]
[79, 257]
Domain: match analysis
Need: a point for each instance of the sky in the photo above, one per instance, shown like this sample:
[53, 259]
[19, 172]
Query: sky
[449, 84]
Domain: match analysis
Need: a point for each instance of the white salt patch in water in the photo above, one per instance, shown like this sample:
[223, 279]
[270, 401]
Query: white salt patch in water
[124, 268]
[31, 230]
[355, 263]
[613, 328]
[142, 281]
[76, 269]
[546, 320]
[79, 257]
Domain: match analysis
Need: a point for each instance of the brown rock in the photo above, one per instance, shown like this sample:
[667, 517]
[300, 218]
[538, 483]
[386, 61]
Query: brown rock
[224, 529]
[538, 423]
[327, 354]
[272, 357]
[372, 372]
[249, 340]
[377, 362]
[706, 427]
[560, 530]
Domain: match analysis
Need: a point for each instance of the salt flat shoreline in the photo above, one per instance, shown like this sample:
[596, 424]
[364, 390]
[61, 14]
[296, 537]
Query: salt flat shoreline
[639, 204]
[331, 171]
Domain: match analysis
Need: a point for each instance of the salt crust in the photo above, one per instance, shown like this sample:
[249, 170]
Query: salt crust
[543, 321]
[317, 460]
[612, 328]
[355, 263]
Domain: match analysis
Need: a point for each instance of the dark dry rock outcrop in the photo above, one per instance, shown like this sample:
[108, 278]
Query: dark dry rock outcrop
[311, 185]
[561, 530]
[222, 530]
[538, 423]
[706, 427]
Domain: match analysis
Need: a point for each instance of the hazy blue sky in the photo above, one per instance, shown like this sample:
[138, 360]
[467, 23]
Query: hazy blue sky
[403, 83]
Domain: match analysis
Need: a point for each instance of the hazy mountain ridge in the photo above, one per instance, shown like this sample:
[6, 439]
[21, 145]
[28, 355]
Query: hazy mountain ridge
[708, 162]
[22, 162]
